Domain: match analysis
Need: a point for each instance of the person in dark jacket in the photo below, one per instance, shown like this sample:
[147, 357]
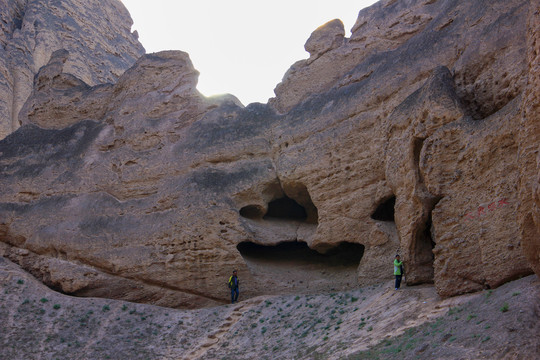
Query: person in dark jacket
[234, 285]
[398, 271]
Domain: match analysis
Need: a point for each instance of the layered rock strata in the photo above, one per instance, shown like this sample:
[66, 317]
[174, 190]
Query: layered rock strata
[401, 139]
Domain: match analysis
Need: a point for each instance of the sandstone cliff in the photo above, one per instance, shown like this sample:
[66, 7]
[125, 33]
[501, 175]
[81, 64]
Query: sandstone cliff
[403, 138]
[97, 35]
[529, 146]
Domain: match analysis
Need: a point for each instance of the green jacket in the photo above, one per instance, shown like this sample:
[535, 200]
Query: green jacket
[397, 267]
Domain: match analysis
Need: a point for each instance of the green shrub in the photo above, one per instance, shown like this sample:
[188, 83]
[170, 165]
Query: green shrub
[454, 310]
[504, 308]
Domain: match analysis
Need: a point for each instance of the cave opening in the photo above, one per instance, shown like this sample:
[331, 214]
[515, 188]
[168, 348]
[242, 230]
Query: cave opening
[295, 204]
[292, 267]
[385, 211]
[345, 254]
[423, 255]
[285, 208]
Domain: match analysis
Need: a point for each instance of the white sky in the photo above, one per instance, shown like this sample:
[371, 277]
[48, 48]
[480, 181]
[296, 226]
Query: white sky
[242, 47]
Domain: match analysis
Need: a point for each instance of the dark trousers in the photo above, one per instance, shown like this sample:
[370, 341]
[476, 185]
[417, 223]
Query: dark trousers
[398, 281]
[234, 295]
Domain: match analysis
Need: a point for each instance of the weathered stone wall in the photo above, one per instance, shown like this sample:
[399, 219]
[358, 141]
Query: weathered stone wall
[403, 138]
[529, 146]
[97, 35]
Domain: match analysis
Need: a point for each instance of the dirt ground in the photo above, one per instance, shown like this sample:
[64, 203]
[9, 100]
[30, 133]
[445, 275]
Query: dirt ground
[373, 322]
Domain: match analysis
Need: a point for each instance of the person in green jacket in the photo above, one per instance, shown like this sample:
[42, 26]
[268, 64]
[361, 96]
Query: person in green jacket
[398, 271]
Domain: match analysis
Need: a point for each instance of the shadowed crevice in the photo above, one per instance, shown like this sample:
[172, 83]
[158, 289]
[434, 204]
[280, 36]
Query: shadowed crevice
[423, 256]
[385, 211]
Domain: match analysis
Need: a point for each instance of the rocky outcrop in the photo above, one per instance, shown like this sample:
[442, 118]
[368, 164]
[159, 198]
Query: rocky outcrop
[529, 146]
[97, 35]
[403, 138]
[114, 163]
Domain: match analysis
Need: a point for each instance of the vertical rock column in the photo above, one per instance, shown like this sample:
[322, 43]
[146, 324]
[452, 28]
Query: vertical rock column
[414, 120]
[529, 146]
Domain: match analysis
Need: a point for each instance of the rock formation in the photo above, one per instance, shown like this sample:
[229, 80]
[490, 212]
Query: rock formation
[403, 138]
[97, 35]
[529, 146]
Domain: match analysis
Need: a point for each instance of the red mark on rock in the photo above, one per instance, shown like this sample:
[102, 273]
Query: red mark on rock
[503, 202]
[483, 211]
[470, 216]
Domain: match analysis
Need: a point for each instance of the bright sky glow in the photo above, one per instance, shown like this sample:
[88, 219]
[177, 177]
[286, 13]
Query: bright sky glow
[242, 47]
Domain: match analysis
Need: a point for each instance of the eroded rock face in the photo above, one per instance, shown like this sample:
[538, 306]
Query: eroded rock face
[529, 148]
[408, 145]
[97, 35]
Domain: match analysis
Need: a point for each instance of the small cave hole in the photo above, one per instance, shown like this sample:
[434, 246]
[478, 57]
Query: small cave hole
[285, 208]
[385, 211]
[253, 212]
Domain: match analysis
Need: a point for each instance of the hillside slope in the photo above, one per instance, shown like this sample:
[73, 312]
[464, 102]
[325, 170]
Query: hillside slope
[373, 322]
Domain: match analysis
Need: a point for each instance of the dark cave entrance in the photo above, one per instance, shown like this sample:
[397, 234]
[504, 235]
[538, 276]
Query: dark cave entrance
[292, 267]
[345, 254]
[423, 256]
[385, 211]
[295, 206]
[285, 208]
